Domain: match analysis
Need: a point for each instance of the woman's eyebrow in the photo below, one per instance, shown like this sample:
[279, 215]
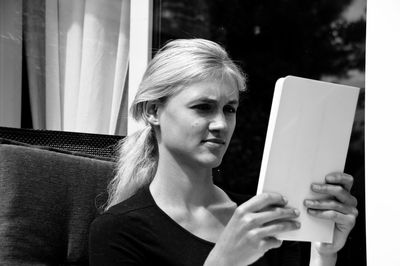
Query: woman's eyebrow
[234, 102]
[211, 100]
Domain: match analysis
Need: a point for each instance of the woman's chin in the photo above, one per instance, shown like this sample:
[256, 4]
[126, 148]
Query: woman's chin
[210, 161]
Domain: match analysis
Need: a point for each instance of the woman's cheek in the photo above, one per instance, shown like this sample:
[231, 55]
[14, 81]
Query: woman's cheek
[199, 126]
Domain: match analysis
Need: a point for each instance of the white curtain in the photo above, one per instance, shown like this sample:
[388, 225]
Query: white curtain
[86, 47]
[10, 62]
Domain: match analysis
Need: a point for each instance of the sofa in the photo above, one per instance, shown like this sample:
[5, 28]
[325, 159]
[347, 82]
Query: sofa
[52, 185]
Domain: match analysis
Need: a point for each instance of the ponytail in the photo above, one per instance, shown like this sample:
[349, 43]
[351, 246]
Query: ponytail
[136, 166]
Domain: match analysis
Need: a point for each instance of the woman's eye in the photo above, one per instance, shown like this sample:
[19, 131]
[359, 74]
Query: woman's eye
[202, 107]
[230, 109]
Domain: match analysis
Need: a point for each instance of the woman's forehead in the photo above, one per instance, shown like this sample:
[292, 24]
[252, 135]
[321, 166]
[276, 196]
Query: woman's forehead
[212, 89]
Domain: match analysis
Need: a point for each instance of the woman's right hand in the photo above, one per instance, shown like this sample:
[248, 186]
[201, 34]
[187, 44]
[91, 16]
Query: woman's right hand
[250, 232]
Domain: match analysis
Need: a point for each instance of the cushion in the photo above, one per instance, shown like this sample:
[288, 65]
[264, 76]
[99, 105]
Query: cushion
[47, 202]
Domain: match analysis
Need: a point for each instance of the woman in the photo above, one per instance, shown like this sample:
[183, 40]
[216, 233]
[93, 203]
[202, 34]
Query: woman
[163, 208]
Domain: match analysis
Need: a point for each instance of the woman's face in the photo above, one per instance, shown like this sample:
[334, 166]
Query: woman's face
[197, 123]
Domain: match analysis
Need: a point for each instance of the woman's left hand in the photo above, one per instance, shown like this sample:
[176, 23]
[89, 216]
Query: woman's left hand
[340, 207]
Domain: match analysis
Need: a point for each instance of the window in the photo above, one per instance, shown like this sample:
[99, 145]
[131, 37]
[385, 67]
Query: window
[322, 40]
[69, 61]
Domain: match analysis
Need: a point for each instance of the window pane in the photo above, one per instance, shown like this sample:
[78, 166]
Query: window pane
[71, 58]
[322, 40]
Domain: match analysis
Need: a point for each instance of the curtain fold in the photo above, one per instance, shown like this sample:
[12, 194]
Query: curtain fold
[83, 64]
[71, 19]
[11, 62]
[100, 69]
[54, 97]
[121, 72]
[34, 42]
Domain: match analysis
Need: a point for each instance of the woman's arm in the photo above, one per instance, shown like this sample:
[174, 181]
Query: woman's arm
[249, 233]
[340, 207]
[317, 259]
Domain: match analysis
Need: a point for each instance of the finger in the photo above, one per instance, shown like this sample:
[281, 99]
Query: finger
[270, 243]
[331, 205]
[277, 213]
[274, 228]
[337, 217]
[261, 201]
[340, 193]
[342, 179]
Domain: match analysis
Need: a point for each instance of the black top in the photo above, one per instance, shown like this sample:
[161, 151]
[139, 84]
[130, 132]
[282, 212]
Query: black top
[137, 232]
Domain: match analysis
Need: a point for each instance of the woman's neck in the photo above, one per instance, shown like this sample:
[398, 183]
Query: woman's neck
[182, 185]
[189, 197]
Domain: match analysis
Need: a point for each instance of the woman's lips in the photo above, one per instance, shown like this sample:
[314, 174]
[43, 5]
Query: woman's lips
[216, 141]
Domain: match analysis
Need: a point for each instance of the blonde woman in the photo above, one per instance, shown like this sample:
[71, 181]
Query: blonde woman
[163, 208]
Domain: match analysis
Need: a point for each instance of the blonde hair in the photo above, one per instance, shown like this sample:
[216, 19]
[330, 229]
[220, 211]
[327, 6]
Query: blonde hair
[175, 66]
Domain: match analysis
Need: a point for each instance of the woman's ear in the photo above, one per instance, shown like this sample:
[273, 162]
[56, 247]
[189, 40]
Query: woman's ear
[151, 112]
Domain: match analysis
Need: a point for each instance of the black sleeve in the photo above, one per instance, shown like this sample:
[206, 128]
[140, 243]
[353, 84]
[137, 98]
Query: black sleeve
[112, 241]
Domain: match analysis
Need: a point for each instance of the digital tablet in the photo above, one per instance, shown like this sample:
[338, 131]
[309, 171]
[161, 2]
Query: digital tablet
[307, 138]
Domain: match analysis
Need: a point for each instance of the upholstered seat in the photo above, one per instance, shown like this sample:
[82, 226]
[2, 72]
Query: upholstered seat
[48, 198]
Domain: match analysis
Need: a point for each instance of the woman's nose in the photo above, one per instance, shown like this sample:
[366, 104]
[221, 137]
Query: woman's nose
[218, 122]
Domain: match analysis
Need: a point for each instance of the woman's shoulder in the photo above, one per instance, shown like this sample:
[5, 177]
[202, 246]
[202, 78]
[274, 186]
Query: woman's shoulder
[132, 218]
[125, 227]
[140, 200]
[129, 209]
